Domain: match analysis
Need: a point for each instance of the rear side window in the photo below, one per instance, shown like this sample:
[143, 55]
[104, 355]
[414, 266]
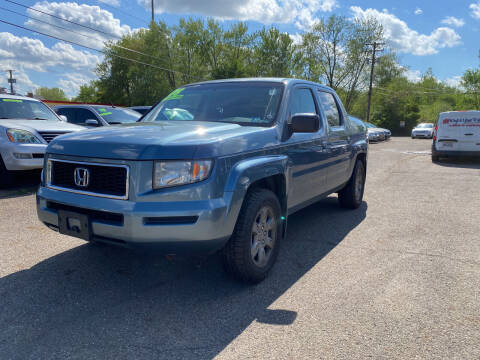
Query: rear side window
[84, 115]
[330, 108]
[302, 102]
[68, 113]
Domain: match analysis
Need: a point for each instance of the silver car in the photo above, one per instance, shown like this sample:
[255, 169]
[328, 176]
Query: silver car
[424, 130]
[26, 127]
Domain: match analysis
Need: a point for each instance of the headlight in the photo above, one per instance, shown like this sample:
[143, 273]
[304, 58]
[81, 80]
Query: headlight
[22, 137]
[174, 173]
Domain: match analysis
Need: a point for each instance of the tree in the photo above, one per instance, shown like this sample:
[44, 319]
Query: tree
[88, 93]
[55, 94]
[335, 51]
[471, 83]
[273, 53]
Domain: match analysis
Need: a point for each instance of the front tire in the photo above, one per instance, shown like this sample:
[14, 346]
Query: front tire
[253, 248]
[6, 177]
[351, 196]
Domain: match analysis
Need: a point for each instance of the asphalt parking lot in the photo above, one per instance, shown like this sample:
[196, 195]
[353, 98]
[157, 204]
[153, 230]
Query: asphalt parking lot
[397, 278]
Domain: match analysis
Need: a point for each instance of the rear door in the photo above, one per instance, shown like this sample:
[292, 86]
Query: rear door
[338, 142]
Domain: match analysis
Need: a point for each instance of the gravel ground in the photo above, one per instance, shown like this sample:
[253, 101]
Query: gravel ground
[397, 278]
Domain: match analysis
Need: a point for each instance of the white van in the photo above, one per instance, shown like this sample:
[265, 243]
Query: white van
[457, 133]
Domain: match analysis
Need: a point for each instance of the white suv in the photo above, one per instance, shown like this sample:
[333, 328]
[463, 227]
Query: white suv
[424, 130]
[26, 127]
[457, 133]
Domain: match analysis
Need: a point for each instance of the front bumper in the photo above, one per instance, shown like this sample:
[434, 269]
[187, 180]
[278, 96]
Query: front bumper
[422, 135]
[10, 155]
[210, 222]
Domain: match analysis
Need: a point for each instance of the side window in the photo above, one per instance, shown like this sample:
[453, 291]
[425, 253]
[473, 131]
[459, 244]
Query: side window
[330, 108]
[69, 113]
[83, 115]
[302, 102]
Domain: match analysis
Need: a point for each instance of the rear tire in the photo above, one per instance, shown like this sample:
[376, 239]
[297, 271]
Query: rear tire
[351, 196]
[253, 248]
[435, 158]
[6, 177]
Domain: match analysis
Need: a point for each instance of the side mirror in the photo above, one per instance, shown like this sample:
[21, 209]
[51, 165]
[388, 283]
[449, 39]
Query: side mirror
[91, 122]
[304, 123]
[63, 118]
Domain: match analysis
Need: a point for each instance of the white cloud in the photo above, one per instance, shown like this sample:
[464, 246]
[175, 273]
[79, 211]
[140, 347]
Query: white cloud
[454, 81]
[453, 21]
[110, 2]
[300, 12]
[475, 7]
[406, 40]
[296, 38]
[72, 81]
[34, 55]
[23, 85]
[418, 11]
[89, 16]
[413, 75]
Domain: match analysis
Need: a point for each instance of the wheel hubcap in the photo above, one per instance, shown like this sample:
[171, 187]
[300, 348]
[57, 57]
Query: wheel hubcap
[359, 182]
[264, 231]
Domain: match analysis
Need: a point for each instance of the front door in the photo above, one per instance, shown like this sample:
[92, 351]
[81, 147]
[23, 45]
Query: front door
[307, 152]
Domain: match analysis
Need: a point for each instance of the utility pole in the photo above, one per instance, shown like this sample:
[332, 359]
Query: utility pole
[153, 12]
[11, 80]
[375, 46]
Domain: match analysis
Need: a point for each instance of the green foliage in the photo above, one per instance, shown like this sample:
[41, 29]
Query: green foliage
[54, 94]
[336, 51]
[88, 93]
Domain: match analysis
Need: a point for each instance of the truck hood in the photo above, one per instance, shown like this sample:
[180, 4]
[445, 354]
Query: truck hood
[162, 140]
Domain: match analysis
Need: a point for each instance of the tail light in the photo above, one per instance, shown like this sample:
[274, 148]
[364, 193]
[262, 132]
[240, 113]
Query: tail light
[435, 133]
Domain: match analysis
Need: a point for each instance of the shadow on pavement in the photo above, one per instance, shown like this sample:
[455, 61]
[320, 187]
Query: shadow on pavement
[25, 183]
[102, 302]
[464, 163]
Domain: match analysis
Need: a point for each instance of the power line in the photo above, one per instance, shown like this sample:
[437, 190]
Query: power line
[63, 19]
[93, 49]
[77, 33]
[140, 20]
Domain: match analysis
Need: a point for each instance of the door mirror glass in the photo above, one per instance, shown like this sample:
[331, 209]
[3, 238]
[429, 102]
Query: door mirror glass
[305, 123]
[91, 122]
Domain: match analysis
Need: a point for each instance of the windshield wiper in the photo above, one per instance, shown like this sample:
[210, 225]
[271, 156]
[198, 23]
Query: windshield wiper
[37, 118]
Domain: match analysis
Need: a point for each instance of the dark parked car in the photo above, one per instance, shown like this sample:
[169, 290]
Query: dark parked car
[215, 165]
[97, 115]
[141, 109]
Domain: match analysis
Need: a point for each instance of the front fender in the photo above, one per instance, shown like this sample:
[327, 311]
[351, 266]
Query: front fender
[246, 172]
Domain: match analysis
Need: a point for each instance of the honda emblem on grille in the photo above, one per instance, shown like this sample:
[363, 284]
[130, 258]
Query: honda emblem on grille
[81, 177]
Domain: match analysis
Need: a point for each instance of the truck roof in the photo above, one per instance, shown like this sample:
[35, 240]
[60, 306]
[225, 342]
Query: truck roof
[263, 79]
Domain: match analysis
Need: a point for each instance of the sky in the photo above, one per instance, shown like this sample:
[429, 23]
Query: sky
[425, 34]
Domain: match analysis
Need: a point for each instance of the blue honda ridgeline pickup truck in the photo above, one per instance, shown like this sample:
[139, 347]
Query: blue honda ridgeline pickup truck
[215, 165]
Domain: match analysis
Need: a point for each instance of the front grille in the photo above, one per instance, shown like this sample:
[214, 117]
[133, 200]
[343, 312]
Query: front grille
[104, 180]
[38, 156]
[94, 215]
[49, 136]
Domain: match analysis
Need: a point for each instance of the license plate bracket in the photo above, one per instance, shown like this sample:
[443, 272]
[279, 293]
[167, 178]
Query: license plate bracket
[74, 224]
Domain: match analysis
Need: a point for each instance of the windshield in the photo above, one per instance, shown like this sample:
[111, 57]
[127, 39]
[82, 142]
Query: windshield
[425, 126]
[25, 109]
[240, 103]
[114, 115]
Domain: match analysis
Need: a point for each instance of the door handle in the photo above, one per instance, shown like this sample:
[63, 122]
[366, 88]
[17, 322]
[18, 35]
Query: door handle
[469, 134]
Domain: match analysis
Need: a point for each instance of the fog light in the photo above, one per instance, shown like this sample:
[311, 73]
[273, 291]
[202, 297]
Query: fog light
[22, 156]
